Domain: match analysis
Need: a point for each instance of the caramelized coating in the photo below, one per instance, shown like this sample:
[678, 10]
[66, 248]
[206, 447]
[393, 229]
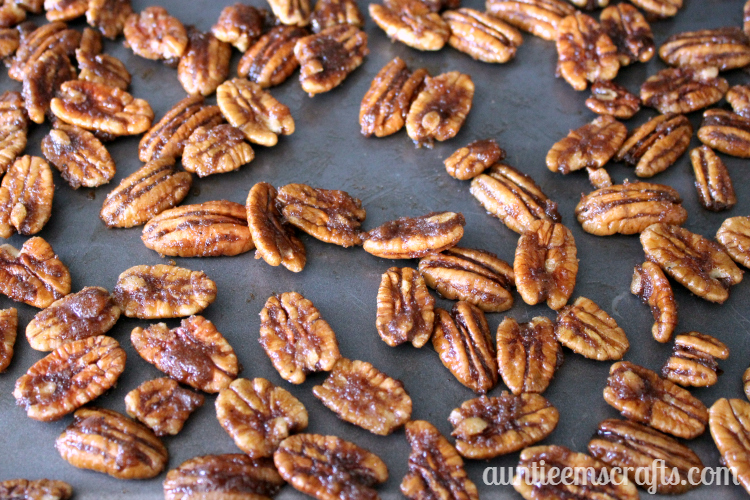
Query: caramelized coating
[109, 16]
[659, 9]
[482, 36]
[42, 489]
[539, 17]
[653, 288]
[405, 308]
[712, 181]
[738, 97]
[80, 157]
[586, 329]
[154, 34]
[216, 150]
[528, 354]
[205, 63]
[440, 109]
[291, 12]
[271, 60]
[329, 13]
[8, 327]
[411, 22]
[694, 360]
[683, 90]
[162, 405]
[609, 98]
[34, 275]
[725, 48]
[734, 236]
[26, 194]
[43, 79]
[729, 422]
[654, 146]
[240, 25]
[415, 237]
[585, 53]
[630, 32]
[590, 146]
[13, 130]
[726, 132]
[473, 159]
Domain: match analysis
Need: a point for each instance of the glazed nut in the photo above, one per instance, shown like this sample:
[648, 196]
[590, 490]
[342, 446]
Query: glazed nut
[654, 146]
[162, 405]
[586, 329]
[8, 330]
[538, 17]
[440, 109]
[725, 48]
[43, 79]
[712, 181]
[43, 489]
[216, 150]
[240, 25]
[405, 308]
[26, 194]
[473, 159]
[80, 157]
[54, 35]
[291, 12]
[630, 32]
[590, 146]
[34, 275]
[585, 53]
[10, 39]
[14, 128]
[653, 288]
[726, 132]
[412, 23]
[738, 97]
[329, 13]
[694, 360]
[271, 59]
[482, 36]
[729, 421]
[205, 63]
[109, 16]
[528, 354]
[683, 90]
[415, 237]
[609, 98]
[734, 236]
[659, 9]
[154, 34]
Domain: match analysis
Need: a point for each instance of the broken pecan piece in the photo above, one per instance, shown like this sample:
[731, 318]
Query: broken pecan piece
[154, 34]
[41, 489]
[8, 328]
[440, 109]
[729, 422]
[80, 157]
[653, 288]
[538, 17]
[405, 308]
[415, 237]
[584, 51]
[659, 9]
[329, 13]
[291, 12]
[470, 161]
[590, 146]
[239, 24]
[216, 150]
[586, 329]
[205, 63]
[271, 59]
[693, 361]
[162, 405]
[26, 194]
[482, 36]
[34, 275]
[715, 190]
[738, 97]
[654, 146]
[630, 32]
[411, 22]
[609, 98]
[683, 90]
[734, 235]
[43, 78]
[109, 16]
[725, 48]
[726, 132]
[528, 354]
[13, 128]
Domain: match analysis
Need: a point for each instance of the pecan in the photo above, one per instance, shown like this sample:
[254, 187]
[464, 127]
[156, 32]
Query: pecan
[291, 12]
[109, 16]
[724, 48]
[482, 36]
[411, 22]
[69, 377]
[527, 354]
[41, 489]
[8, 327]
[102, 68]
[513, 197]
[106, 441]
[629, 208]
[254, 111]
[698, 264]
[729, 422]
[654, 146]
[258, 415]
[50, 36]
[235, 476]
[296, 339]
[487, 427]
[99, 107]
[659, 9]
[386, 103]
[683, 90]
[14, 125]
[415, 237]
[329, 468]
[590, 146]
[65, 10]
[145, 193]
[195, 353]
[275, 241]
[205, 63]
[209, 229]
[470, 161]
[585, 328]
[271, 60]
[10, 38]
[584, 51]
[435, 469]
[734, 236]
[240, 25]
[405, 308]
[216, 150]
[34, 275]
[715, 190]
[26, 196]
[154, 34]
[328, 215]
[653, 288]
[162, 405]
[630, 32]
[88, 313]
[738, 97]
[599, 178]
[329, 13]
[160, 291]
[11, 14]
[726, 132]
[693, 361]
[440, 108]
[80, 157]
[463, 342]
[539, 17]
[43, 78]
[609, 98]
[476, 276]
[546, 265]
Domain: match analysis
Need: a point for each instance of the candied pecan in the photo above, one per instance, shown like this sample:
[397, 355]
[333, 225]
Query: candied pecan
[411, 22]
[291, 12]
[726, 132]
[715, 190]
[463, 342]
[239, 24]
[693, 361]
[590, 146]
[271, 59]
[586, 329]
[106, 441]
[216, 150]
[698, 264]
[729, 422]
[724, 48]
[476, 276]
[527, 354]
[440, 108]
[69, 377]
[405, 308]
[435, 469]
[41, 489]
[470, 161]
[13, 127]
[629, 208]
[538, 17]
[738, 97]
[386, 103]
[327, 58]
[329, 468]
[329, 13]
[415, 237]
[160, 291]
[659, 9]
[145, 193]
[91, 42]
[11, 14]
[258, 415]
[10, 38]
[65, 10]
[50, 36]
[683, 90]
[80, 157]
[254, 111]
[205, 63]
[654, 146]
[483, 36]
[88, 313]
[584, 51]
[8, 327]
[734, 235]
[234, 475]
[275, 241]
[109, 16]
[609, 98]
[209, 229]
[653, 288]
[26, 194]
[296, 339]
[162, 405]
[630, 32]
[486, 427]
[154, 34]
[34, 275]
[43, 78]
[328, 215]
[102, 68]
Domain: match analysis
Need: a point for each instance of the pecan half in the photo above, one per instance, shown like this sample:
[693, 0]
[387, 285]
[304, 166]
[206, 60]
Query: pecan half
[205, 63]
[154, 34]
[11, 14]
[239, 24]
[487, 427]
[654, 146]
[329, 13]
[725, 48]
[43, 78]
[528, 354]
[80, 157]
[415, 237]
[734, 235]
[69, 377]
[26, 194]
[470, 161]
[585, 52]
[296, 339]
[411, 22]
[683, 90]
[14, 125]
[106, 441]
[258, 415]
[8, 327]
[609, 98]
[653, 288]
[10, 39]
[586, 329]
[33, 275]
[729, 422]
[405, 308]
[51, 36]
[482, 36]
[738, 97]
[291, 12]
[590, 146]
[630, 32]
[162, 405]
[271, 59]
[109, 16]
[659, 9]
[440, 109]
[538, 17]
[715, 190]
[41, 489]
[726, 132]
[694, 360]
[64, 10]
[216, 150]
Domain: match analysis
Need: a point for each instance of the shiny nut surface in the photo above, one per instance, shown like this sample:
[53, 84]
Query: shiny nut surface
[654, 146]
[26, 195]
[683, 90]
[729, 421]
[8, 332]
[205, 63]
[80, 157]
[216, 150]
[590, 146]
[154, 34]
[482, 36]
[240, 25]
[14, 127]
[586, 329]
[40, 489]
[726, 132]
[108, 16]
[43, 78]
[329, 13]
[326, 58]
[414, 237]
[585, 53]
[630, 32]
[440, 109]
[724, 48]
[405, 308]
[162, 405]
[712, 181]
[271, 59]
[473, 159]
[609, 98]
[411, 22]
[538, 17]
[528, 354]
[694, 360]
[34, 275]
[734, 235]
[653, 288]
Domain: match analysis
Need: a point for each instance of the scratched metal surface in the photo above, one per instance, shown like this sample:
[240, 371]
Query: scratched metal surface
[521, 105]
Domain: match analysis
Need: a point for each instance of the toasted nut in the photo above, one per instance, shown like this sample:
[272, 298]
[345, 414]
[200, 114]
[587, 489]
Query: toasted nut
[538, 17]
[154, 34]
[726, 132]
[590, 146]
[195, 353]
[739, 98]
[734, 235]
[386, 103]
[482, 36]
[650, 284]
[216, 150]
[209, 229]
[271, 59]
[108, 442]
[258, 415]
[69, 377]
[715, 190]
[405, 308]
[585, 328]
[470, 161]
[609, 98]
[43, 78]
[584, 51]
[629, 208]
[655, 145]
[440, 109]
[26, 194]
[296, 339]
[698, 264]
[154, 292]
[34, 6]
[10, 38]
[729, 422]
[527, 354]
[274, 240]
[329, 13]
[145, 193]
[239, 24]
[435, 469]
[41, 489]
[13, 127]
[683, 90]
[80, 157]
[724, 48]
[291, 12]
[8, 327]
[487, 427]
[415, 237]
[102, 68]
[234, 476]
[693, 361]
[34, 275]
[205, 63]
[64, 10]
[48, 37]
[411, 22]
[659, 9]
[630, 32]
[109, 16]
[162, 405]
[88, 313]
[11, 14]
[599, 178]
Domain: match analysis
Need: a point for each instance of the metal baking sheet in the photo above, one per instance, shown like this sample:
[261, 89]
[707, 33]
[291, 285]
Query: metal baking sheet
[521, 105]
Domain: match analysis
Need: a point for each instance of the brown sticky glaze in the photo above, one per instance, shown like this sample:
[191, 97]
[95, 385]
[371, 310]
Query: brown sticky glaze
[586, 329]
[80, 157]
[653, 288]
[724, 48]
[50, 36]
[205, 63]
[109, 16]
[585, 53]
[589, 146]
[26, 195]
[216, 150]
[630, 32]
[694, 360]
[405, 308]
[329, 13]
[729, 421]
[162, 405]
[654, 146]
[8, 328]
[40, 489]
[712, 181]
[271, 59]
[726, 132]
[44, 76]
[327, 58]
[154, 34]
[34, 275]
[473, 159]
[609, 98]
[414, 237]
[440, 109]
[240, 25]
[683, 90]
